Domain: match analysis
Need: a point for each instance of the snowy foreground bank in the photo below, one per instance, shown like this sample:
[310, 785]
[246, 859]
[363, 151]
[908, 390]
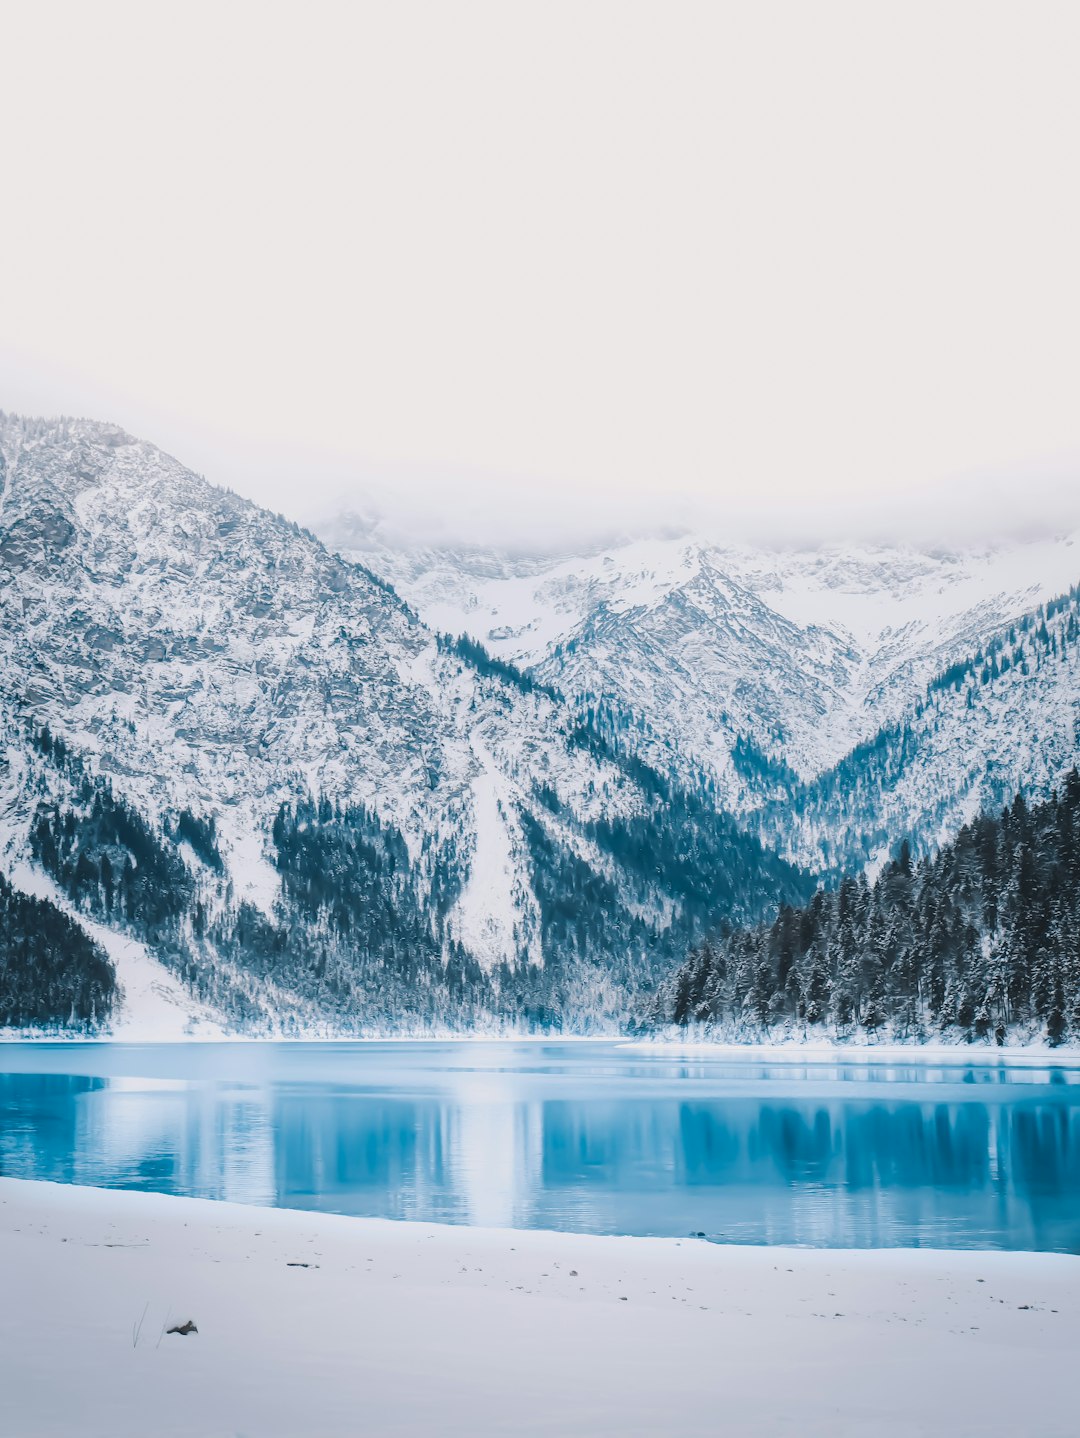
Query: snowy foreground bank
[313, 1325]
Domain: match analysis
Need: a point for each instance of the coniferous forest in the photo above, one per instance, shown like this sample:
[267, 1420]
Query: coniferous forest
[978, 941]
[52, 974]
[359, 937]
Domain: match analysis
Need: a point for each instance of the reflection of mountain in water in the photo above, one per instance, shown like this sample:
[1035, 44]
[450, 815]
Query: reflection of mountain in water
[38, 1124]
[753, 1168]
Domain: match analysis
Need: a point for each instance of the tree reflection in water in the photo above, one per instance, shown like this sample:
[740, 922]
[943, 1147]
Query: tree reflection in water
[958, 1157]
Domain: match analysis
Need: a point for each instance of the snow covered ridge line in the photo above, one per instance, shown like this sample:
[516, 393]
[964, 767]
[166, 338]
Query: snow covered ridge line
[1000, 721]
[810, 653]
[310, 812]
[227, 745]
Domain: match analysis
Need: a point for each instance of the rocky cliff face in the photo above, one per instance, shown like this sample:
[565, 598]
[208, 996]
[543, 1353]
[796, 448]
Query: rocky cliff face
[198, 655]
[779, 674]
[229, 751]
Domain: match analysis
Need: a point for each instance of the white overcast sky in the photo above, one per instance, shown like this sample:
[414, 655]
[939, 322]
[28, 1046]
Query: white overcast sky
[509, 268]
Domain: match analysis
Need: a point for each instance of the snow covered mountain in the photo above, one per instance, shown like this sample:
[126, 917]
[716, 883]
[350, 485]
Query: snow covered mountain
[283, 787]
[767, 669]
[1003, 721]
[251, 756]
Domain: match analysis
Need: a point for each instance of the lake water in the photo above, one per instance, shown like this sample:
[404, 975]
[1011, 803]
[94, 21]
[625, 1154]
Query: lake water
[595, 1137]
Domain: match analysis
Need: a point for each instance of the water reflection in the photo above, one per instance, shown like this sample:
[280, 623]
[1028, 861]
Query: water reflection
[566, 1136]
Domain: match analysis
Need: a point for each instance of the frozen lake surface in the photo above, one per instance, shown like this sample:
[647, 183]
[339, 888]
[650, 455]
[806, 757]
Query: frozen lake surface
[595, 1137]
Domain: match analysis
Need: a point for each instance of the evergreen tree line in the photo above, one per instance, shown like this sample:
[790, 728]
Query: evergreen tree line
[471, 652]
[977, 941]
[52, 974]
[109, 860]
[361, 933]
[680, 849]
[364, 931]
[201, 834]
[361, 929]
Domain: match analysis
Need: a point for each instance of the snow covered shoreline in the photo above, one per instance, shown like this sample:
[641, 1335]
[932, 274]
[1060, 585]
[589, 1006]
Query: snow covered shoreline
[320, 1325]
[662, 1045]
[829, 1051]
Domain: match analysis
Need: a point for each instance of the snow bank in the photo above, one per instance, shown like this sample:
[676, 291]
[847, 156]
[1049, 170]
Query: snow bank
[316, 1325]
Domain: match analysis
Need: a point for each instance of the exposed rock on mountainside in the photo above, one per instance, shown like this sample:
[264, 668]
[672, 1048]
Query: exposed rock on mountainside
[253, 755]
[275, 794]
[788, 676]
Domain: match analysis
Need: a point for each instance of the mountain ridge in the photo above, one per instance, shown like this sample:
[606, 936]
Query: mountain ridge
[774, 670]
[197, 654]
[869, 628]
[313, 803]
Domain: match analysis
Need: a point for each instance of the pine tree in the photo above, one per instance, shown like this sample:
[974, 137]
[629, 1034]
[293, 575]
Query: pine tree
[981, 939]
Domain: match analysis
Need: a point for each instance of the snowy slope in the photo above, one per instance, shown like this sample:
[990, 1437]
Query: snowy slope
[1005, 722]
[804, 653]
[201, 654]
[307, 1320]
[204, 652]
[154, 1007]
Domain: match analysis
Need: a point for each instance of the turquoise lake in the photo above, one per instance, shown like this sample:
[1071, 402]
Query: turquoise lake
[597, 1137]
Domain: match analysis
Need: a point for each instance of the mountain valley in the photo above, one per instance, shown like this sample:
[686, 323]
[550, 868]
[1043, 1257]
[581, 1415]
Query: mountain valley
[290, 786]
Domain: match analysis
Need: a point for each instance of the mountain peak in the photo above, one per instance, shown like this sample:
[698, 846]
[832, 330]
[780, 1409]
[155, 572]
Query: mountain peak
[217, 679]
